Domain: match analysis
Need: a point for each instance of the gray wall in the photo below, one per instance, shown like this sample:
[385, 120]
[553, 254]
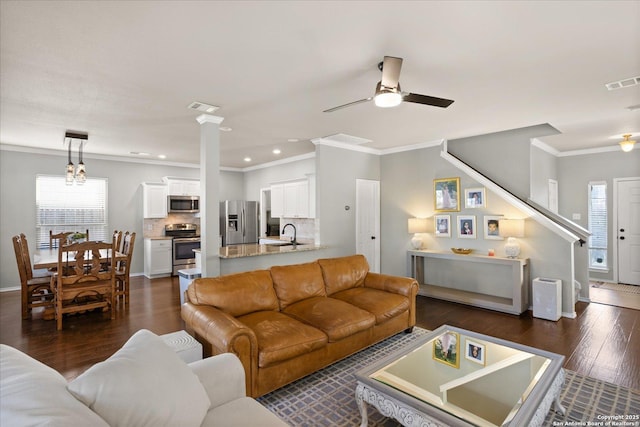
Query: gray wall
[543, 168]
[574, 175]
[336, 173]
[503, 156]
[18, 205]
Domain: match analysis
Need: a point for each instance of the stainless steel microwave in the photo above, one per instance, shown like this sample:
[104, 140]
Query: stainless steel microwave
[183, 204]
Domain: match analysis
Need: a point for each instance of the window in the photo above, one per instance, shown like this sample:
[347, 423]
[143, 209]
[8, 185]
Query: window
[598, 225]
[62, 207]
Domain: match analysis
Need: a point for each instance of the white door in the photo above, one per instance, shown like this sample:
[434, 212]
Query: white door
[628, 231]
[368, 221]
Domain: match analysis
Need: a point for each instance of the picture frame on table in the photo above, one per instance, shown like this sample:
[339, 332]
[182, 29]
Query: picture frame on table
[467, 227]
[475, 352]
[446, 194]
[474, 198]
[446, 349]
[442, 225]
[492, 227]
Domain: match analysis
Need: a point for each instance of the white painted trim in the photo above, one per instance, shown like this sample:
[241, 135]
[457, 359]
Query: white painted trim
[12, 288]
[544, 147]
[208, 118]
[418, 146]
[514, 201]
[331, 143]
[614, 215]
[278, 162]
[599, 150]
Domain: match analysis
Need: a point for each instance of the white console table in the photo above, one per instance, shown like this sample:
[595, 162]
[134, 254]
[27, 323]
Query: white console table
[489, 282]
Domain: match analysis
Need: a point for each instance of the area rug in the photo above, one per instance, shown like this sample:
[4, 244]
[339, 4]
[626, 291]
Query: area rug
[619, 287]
[326, 398]
[627, 296]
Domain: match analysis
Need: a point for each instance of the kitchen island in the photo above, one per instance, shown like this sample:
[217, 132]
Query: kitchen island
[255, 249]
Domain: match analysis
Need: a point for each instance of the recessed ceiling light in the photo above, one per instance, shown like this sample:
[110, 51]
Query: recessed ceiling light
[144, 154]
[225, 129]
[201, 106]
[247, 159]
[276, 151]
[293, 140]
[162, 156]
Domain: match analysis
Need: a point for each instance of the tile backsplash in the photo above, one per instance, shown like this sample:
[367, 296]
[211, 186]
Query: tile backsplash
[154, 227]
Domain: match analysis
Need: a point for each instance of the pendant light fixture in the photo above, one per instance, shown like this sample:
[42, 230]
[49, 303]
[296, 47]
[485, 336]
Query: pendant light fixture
[626, 144]
[79, 174]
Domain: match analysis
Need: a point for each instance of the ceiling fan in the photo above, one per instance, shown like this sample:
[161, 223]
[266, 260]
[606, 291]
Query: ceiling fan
[388, 93]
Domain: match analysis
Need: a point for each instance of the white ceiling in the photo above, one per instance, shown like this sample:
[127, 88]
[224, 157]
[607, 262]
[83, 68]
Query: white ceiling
[125, 72]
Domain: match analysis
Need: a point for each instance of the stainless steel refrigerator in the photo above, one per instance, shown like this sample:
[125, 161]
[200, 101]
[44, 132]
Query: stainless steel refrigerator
[238, 222]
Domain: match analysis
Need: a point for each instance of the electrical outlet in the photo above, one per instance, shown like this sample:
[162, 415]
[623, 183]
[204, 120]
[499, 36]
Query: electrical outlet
[576, 216]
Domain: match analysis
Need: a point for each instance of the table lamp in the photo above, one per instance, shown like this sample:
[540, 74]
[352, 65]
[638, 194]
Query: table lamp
[417, 226]
[511, 228]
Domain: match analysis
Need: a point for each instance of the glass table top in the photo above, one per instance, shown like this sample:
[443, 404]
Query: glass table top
[479, 379]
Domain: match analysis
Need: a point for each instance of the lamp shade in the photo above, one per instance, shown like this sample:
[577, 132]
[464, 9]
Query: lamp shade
[418, 225]
[511, 227]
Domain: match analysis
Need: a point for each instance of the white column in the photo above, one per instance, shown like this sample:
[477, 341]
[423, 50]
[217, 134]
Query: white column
[210, 193]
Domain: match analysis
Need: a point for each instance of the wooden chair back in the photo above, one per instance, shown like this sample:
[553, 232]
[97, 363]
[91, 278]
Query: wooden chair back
[117, 240]
[60, 239]
[82, 283]
[123, 273]
[35, 291]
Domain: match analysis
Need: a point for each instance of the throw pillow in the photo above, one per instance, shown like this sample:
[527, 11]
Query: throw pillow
[144, 383]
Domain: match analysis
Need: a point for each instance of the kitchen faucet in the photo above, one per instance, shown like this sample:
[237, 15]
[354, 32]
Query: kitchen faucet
[294, 242]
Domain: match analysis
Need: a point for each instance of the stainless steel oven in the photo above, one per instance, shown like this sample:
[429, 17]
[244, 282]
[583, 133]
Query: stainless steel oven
[185, 240]
[183, 255]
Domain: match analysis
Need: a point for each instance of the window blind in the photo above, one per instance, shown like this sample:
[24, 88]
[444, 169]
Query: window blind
[62, 207]
[598, 224]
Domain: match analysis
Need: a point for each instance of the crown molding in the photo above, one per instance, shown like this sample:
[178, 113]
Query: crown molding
[208, 118]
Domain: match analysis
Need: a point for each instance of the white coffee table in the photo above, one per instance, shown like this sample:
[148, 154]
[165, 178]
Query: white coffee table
[478, 381]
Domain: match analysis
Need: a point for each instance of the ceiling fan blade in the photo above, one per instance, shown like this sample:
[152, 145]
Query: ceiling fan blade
[348, 105]
[391, 71]
[427, 100]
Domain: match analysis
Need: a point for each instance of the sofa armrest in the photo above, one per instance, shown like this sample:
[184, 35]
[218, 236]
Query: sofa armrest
[222, 377]
[395, 284]
[220, 333]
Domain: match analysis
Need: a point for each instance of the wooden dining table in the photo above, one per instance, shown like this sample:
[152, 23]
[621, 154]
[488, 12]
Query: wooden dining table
[48, 258]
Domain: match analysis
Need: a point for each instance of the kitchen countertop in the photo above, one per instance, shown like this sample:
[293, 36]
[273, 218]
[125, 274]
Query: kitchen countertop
[254, 249]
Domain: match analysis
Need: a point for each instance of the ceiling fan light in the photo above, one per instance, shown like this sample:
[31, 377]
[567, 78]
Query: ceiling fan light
[627, 145]
[387, 99]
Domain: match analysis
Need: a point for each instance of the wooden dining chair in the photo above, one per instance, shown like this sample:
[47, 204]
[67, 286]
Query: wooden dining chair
[117, 239]
[58, 240]
[81, 283]
[35, 286]
[123, 272]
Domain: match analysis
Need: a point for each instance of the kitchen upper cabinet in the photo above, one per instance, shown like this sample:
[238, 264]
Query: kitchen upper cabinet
[154, 200]
[293, 199]
[182, 186]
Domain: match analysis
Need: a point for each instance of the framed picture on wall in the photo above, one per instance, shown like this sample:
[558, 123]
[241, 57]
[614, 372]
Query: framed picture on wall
[442, 225]
[474, 198]
[467, 227]
[475, 352]
[446, 349]
[492, 227]
[446, 194]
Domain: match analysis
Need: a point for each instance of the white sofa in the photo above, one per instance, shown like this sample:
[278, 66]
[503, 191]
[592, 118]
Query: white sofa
[144, 383]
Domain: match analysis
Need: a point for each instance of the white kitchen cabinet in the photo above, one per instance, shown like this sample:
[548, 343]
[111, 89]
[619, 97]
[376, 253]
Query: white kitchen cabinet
[296, 199]
[158, 257]
[154, 200]
[182, 186]
[292, 199]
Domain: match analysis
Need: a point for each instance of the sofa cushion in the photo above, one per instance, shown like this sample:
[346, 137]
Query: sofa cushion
[144, 383]
[344, 272]
[243, 412]
[335, 318]
[296, 282]
[32, 393]
[235, 294]
[280, 337]
[383, 305]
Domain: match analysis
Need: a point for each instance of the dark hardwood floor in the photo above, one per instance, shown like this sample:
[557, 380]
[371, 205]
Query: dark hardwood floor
[602, 342]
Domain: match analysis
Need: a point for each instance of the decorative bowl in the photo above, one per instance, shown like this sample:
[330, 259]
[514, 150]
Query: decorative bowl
[461, 251]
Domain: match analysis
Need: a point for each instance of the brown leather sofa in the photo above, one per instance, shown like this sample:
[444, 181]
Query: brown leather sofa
[289, 321]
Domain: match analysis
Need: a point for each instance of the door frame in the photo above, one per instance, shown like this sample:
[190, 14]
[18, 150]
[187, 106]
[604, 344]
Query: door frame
[614, 234]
